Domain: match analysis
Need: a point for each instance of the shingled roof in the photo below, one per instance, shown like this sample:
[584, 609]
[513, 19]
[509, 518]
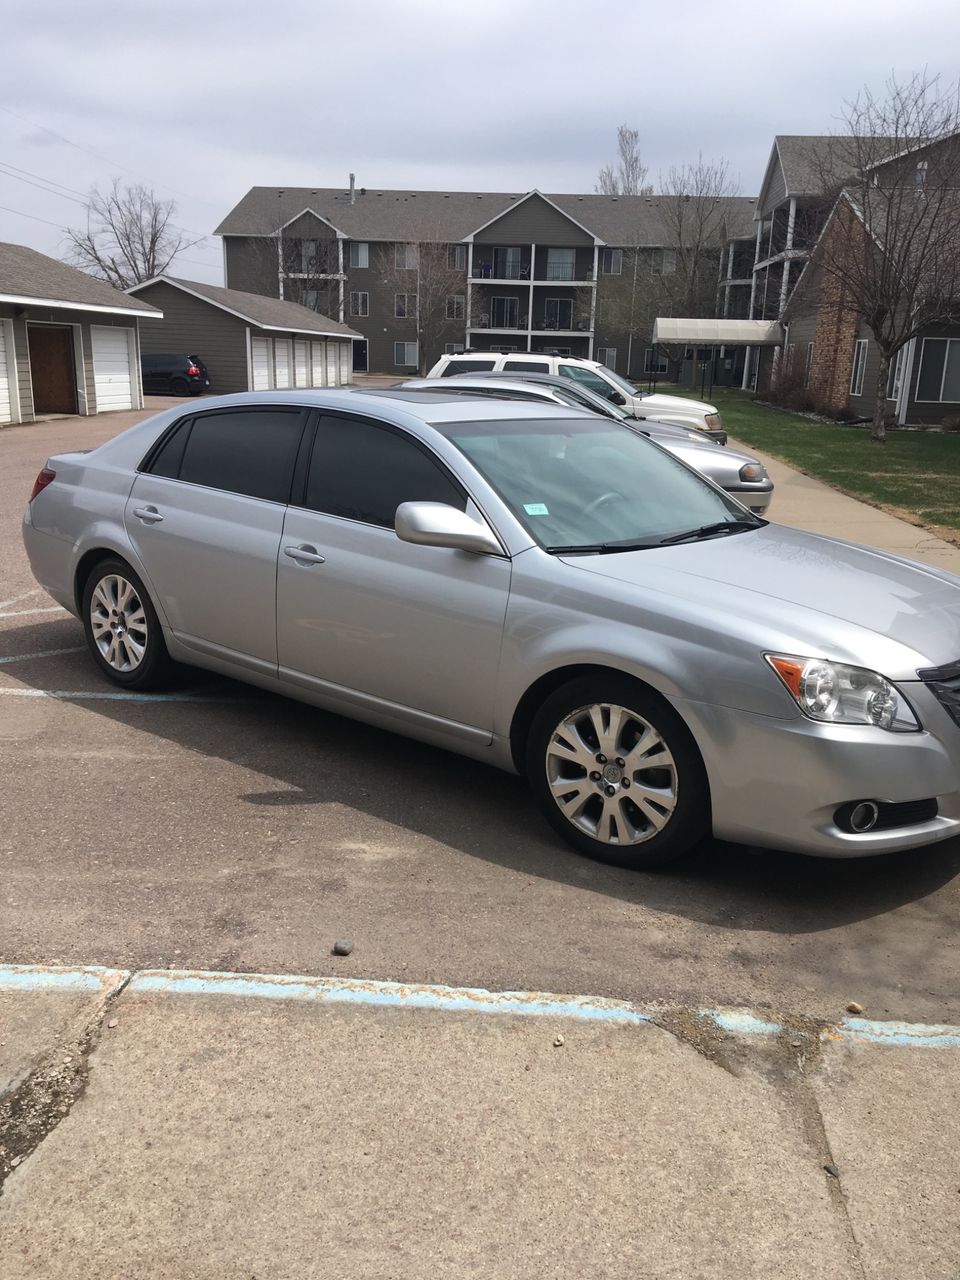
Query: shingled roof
[258, 310]
[449, 216]
[32, 278]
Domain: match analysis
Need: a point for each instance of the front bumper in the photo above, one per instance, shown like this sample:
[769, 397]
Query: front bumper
[755, 497]
[778, 782]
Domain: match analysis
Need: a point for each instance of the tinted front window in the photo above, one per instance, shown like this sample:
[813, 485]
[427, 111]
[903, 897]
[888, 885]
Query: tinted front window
[589, 481]
[363, 472]
[467, 366]
[250, 452]
[589, 378]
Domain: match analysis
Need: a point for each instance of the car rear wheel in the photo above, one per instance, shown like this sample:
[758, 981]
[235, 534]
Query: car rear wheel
[180, 387]
[617, 773]
[122, 627]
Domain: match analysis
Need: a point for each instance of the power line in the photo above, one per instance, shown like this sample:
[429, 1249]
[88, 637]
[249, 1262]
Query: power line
[39, 185]
[21, 214]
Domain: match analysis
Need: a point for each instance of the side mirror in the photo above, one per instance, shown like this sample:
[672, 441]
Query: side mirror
[617, 398]
[435, 524]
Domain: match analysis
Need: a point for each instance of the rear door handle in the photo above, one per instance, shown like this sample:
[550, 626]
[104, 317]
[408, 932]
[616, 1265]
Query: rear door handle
[149, 515]
[310, 555]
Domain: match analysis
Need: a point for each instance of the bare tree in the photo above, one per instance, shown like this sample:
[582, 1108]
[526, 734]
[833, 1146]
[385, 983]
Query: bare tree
[423, 279]
[128, 237]
[625, 177]
[890, 252]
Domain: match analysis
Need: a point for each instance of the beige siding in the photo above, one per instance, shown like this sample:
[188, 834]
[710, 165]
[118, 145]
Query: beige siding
[533, 222]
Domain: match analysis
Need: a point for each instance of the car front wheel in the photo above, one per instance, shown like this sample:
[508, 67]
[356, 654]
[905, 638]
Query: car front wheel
[617, 773]
[122, 627]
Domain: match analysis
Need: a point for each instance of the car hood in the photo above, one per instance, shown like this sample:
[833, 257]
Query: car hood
[806, 594]
[657, 401]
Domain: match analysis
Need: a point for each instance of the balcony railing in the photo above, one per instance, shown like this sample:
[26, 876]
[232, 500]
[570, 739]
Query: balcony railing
[501, 271]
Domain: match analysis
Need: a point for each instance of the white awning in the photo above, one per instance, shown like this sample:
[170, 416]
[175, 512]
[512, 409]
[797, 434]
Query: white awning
[718, 333]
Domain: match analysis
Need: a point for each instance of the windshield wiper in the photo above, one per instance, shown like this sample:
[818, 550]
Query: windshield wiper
[602, 548]
[712, 530]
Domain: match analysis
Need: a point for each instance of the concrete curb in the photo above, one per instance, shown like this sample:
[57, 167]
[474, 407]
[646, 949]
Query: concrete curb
[37, 979]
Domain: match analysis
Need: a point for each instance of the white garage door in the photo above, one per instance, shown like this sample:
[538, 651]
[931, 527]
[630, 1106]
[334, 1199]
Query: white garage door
[260, 363]
[281, 349]
[346, 363]
[112, 367]
[331, 364]
[6, 407]
[301, 373]
[317, 358]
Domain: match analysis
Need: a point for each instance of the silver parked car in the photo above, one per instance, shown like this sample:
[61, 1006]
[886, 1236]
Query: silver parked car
[745, 477]
[539, 590]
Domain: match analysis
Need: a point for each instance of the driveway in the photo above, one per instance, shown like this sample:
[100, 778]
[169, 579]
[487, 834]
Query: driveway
[228, 829]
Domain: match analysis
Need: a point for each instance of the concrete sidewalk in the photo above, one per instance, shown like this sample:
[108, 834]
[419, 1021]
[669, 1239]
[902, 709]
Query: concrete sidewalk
[805, 503]
[228, 1134]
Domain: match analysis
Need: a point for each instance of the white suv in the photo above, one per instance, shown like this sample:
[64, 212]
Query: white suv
[596, 377]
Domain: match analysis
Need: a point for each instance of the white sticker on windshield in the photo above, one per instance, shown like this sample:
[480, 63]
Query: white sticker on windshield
[536, 508]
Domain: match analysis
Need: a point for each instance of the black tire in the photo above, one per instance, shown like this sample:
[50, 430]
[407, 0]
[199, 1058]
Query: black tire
[648, 816]
[179, 387]
[153, 669]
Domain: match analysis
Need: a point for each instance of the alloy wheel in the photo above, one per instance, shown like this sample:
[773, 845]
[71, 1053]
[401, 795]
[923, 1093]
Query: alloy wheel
[119, 623]
[611, 774]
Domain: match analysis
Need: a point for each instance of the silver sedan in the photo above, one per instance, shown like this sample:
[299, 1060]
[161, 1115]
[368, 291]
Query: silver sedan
[745, 477]
[537, 589]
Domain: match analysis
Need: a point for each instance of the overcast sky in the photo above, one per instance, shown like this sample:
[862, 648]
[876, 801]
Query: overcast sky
[203, 100]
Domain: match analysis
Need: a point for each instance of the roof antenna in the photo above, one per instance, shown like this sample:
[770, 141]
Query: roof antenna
[353, 188]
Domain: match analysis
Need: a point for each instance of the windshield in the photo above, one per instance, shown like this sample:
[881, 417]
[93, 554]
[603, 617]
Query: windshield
[590, 482]
[622, 383]
[581, 398]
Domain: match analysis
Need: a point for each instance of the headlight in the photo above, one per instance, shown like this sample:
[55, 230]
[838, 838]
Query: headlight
[713, 421]
[837, 694]
[753, 471]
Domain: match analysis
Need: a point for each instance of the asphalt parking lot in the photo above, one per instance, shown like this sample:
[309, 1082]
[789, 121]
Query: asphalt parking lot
[228, 829]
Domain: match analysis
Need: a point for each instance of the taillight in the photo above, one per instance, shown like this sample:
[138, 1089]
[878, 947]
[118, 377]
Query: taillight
[193, 371]
[42, 480]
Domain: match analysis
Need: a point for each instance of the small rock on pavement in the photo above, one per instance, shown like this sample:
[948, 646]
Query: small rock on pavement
[832, 1169]
[342, 947]
[114, 1022]
[854, 1007]
[558, 1042]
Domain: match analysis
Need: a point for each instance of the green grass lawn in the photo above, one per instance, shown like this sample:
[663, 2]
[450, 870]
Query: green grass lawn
[917, 472]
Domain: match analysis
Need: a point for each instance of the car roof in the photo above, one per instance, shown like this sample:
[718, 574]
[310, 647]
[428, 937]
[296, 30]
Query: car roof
[518, 375]
[518, 355]
[460, 383]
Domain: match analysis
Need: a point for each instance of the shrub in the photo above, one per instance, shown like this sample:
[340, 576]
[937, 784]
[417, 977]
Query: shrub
[951, 422]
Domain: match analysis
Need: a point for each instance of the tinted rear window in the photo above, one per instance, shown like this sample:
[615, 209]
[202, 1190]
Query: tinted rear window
[527, 366]
[250, 452]
[467, 366]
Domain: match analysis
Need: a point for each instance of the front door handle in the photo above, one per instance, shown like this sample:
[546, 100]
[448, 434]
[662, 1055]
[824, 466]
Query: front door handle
[308, 554]
[149, 515]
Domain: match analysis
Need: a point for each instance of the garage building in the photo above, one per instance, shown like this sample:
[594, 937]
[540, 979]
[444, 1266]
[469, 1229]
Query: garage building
[247, 342]
[68, 343]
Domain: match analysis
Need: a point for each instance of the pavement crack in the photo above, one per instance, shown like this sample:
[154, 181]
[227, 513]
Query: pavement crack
[34, 1107]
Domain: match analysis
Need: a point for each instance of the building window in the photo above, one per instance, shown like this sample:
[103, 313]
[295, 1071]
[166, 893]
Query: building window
[457, 257]
[359, 254]
[405, 355]
[611, 262]
[405, 306]
[859, 363]
[561, 264]
[939, 378]
[456, 307]
[895, 375]
[654, 361]
[503, 350]
[360, 304]
[453, 348]
[405, 256]
[608, 356]
[558, 313]
[311, 299]
[663, 262]
[504, 313]
[808, 365]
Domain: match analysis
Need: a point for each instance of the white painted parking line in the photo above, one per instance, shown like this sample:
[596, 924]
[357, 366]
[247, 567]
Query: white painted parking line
[24, 595]
[43, 653]
[26, 613]
[80, 695]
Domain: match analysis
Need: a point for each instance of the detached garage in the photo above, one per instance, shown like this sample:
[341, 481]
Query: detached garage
[248, 342]
[68, 343]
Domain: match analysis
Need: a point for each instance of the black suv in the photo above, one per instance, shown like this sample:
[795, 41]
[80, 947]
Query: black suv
[174, 375]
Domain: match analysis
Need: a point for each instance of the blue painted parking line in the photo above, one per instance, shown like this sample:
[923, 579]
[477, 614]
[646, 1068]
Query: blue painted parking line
[369, 993]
